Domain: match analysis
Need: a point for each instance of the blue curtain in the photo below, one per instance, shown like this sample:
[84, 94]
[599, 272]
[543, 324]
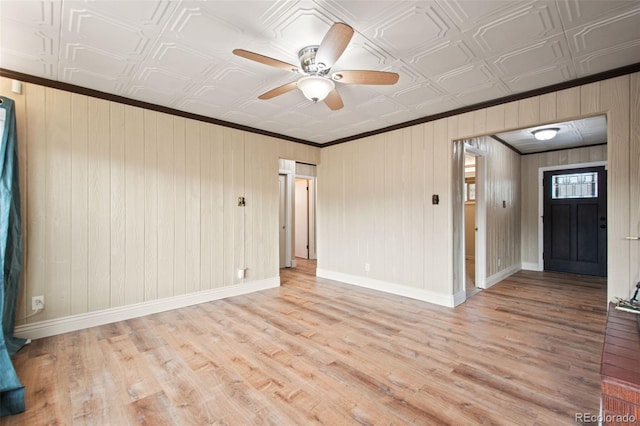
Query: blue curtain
[11, 391]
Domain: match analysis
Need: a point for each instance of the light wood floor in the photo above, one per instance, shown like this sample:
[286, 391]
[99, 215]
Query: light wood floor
[314, 351]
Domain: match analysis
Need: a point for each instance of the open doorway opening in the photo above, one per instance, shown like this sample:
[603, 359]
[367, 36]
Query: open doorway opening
[297, 224]
[470, 222]
[305, 218]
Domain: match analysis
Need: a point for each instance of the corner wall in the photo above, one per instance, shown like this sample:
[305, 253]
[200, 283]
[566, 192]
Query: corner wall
[374, 194]
[124, 206]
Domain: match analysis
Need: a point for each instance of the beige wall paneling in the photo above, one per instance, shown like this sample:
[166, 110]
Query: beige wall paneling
[548, 104]
[166, 206]
[330, 179]
[480, 121]
[634, 178]
[495, 118]
[466, 125]
[134, 187]
[210, 149]
[35, 260]
[58, 203]
[295, 151]
[529, 111]
[375, 185]
[215, 242]
[614, 98]
[511, 115]
[233, 184]
[124, 205]
[79, 202]
[261, 218]
[590, 98]
[394, 193]
[99, 206]
[430, 249]
[442, 274]
[117, 205]
[530, 213]
[418, 203]
[180, 227]
[193, 218]
[568, 103]
[150, 206]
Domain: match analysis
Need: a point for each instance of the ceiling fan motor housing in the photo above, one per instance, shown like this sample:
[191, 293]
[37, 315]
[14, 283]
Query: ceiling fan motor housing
[307, 57]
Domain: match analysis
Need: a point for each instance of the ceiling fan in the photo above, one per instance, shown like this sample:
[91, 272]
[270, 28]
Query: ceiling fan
[318, 84]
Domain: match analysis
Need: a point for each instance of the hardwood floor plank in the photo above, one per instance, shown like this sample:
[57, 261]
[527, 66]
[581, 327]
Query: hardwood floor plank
[315, 351]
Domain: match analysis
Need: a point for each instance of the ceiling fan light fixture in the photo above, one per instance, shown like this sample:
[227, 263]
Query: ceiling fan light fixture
[315, 88]
[545, 134]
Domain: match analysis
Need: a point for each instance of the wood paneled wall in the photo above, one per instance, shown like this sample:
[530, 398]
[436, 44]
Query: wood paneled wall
[531, 184]
[123, 205]
[374, 194]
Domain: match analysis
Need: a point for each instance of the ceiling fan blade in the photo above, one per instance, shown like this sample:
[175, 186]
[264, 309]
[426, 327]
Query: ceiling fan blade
[333, 44]
[265, 60]
[334, 100]
[279, 90]
[366, 77]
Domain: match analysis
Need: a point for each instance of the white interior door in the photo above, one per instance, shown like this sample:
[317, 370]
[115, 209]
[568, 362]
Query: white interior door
[302, 218]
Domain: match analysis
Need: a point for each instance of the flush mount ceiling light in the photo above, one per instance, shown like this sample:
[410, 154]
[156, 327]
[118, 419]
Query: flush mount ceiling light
[545, 134]
[315, 88]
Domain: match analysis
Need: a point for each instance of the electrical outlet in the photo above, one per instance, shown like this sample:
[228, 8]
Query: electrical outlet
[367, 267]
[37, 303]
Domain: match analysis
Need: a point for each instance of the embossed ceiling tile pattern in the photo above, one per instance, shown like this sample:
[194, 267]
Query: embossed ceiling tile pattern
[579, 12]
[467, 13]
[541, 77]
[518, 27]
[466, 77]
[418, 94]
[448, 53]
[434, 106]
[181, 59]
[614, 28]
[606, 59]
[29, 34]
[483, 92]
[442, 56]
[539, 54]
[412, 27]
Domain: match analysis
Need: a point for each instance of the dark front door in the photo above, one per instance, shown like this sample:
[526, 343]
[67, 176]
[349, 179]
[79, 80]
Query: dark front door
[575, 221]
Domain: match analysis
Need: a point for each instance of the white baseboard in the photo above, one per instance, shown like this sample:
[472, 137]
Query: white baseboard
[397, 289]
[496, 278]
[459, 297]
[529, 266]
[294, 263]
[91, 319]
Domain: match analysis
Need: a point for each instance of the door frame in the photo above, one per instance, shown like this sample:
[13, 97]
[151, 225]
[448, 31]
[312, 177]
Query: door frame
[312, 214]
[288, 183]
[541, 171]
[481, 217]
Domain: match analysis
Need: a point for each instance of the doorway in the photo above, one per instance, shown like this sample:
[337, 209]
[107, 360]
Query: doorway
[305, 218]
[470, 228]
[284, 220]
[575, 221]
[474, 217]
